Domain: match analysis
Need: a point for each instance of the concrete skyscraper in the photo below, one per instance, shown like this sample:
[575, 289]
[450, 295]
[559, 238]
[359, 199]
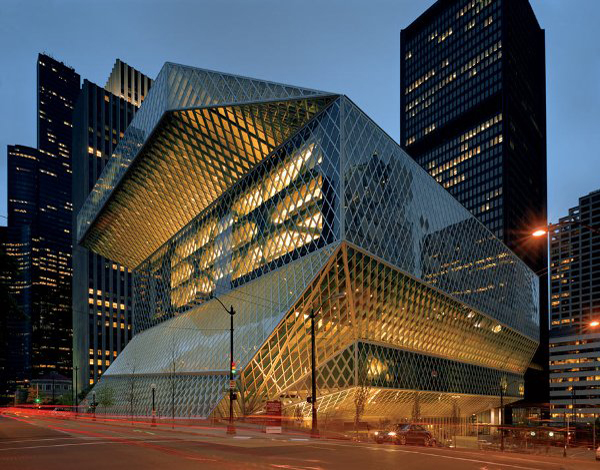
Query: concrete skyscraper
[575, 312]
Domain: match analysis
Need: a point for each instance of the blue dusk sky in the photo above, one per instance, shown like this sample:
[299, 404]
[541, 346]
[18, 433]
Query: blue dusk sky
[344, 46]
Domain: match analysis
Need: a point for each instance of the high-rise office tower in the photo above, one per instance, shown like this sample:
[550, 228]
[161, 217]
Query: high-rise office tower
[128, 83]
[102, 321]
[473, 114]
[39, 221]
[15, 257]
[575, 312]
[24, 182]
[58, 88]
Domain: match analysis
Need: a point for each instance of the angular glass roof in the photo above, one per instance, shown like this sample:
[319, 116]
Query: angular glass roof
[253, 131]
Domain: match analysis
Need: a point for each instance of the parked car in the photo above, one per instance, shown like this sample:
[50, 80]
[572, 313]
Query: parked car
[405, 434]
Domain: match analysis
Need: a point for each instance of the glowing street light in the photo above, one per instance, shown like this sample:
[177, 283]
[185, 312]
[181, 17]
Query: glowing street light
[595, 323]
[539, 233]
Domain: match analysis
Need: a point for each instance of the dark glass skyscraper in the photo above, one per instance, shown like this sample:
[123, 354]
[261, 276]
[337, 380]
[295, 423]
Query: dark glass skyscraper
[102, 320]
[474, 115]
[39, 221]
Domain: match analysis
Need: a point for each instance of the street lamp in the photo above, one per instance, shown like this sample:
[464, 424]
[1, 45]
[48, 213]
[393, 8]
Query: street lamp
[75, 389]
[94, 403]
[313, 398]
[231, 312]
[503, 387]
[542, 231]
[153, 386]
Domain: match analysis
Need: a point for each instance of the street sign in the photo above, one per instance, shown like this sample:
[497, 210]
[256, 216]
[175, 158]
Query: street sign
[273, 413]
[232, 384]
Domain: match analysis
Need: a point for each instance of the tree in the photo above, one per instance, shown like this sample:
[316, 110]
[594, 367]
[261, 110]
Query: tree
[106, 398]
[416, 409]
[298, 415]
[173, 375]
[131, 386]
[455, 418]
[34, 395]
[250, 400]
[361, 395]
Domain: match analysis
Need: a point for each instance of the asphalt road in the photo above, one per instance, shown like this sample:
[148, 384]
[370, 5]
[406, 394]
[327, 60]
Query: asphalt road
[43, 442]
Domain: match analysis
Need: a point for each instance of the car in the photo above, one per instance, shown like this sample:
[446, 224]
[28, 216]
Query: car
[384, 435]
[404, 434]
[598, 453]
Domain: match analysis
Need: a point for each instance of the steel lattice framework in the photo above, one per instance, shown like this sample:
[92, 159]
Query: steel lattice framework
[277, 198]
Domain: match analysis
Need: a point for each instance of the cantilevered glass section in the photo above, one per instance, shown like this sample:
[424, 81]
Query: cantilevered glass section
[179, 87]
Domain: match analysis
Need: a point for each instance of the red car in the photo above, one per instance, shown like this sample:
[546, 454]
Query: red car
[405, 434]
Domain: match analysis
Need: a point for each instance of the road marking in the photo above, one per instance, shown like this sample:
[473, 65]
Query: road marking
[298, 439]
[242, 437]
[445, 457]
[88, 444]
[320, 447]
[42, 439]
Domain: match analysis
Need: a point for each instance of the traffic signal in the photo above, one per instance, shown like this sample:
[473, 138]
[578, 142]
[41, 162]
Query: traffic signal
[308, 399]
[233, 368]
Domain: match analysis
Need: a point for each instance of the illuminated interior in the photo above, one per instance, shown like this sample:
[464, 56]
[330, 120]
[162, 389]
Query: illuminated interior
[190, 160]
[230, 245]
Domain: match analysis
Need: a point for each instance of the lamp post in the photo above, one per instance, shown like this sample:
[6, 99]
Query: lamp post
[153, 386]
[313, 366]
[231, 312]
[75, 390]
[503, 388]
[94, 404]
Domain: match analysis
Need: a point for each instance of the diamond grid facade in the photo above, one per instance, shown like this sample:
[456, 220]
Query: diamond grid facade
[278, 205]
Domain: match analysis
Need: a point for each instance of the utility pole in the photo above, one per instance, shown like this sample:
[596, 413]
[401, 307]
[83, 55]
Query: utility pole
[231, 427]
[566, 434]
[501, 417]
[153, 405]
[573, 404]
[313, 399]
[232, 396]
[594, 432]
[76, 399]
[94, 403]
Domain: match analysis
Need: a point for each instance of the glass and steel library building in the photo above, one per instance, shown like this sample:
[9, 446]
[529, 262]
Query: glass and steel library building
[283, 201]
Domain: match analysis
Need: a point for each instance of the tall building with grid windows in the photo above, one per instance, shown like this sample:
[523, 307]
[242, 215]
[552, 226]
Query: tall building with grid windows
[102, 289]
[574, 309]
[280, 200]
[128, 83]
[15, 291]
[473, 114]
[39, 236]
